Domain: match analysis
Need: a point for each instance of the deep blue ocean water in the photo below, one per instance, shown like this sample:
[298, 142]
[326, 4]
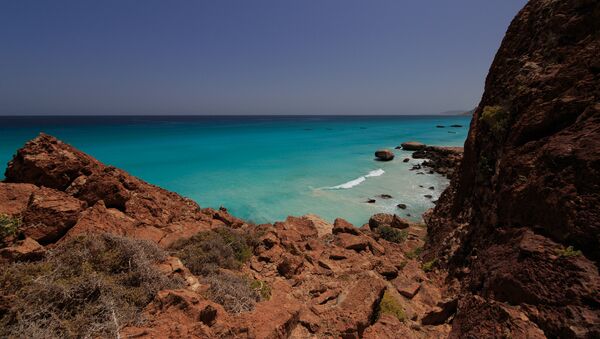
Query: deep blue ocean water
[261, 168]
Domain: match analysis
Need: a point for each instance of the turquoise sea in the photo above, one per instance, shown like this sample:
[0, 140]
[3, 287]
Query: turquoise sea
[262, 168]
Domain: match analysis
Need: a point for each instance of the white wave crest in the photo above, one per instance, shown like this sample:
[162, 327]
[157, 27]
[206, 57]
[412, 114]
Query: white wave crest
[357, 181]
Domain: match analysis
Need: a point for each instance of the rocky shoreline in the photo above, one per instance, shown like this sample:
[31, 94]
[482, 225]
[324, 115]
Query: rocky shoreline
[510, 250]
[323, 279]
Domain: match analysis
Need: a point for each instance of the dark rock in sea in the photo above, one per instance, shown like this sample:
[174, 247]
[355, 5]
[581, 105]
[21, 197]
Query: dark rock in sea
[440, 126]
[456, 125]
[452, 132]
[384, 155]
[431, 187]
[443, 160]
[370, 201]
[428, 196]
[401, 206]
[421, 186]
[412, 146]
[416, 167]
[408, 215]
[420, 173]
[406, 160]
[385, 196]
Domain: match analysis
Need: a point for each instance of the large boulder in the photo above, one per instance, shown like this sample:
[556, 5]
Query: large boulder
[412, 146]
[384, 155]
[384, 219]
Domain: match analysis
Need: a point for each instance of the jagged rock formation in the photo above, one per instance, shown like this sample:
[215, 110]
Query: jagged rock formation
[527, 197]
[325, 280]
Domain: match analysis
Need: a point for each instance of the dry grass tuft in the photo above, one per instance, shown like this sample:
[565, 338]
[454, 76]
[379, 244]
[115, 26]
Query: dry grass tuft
[89, 286]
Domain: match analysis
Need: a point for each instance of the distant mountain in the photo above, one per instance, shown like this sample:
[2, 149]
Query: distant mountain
[458, 112]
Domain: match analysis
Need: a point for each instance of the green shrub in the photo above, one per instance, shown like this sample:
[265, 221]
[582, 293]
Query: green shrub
[89, 286]
[263, 289]
[9, 225]
[496, 118]
[390, 305]
[206, 252]
[428, 266]
[415, 253]
[568, 252]
[392, 234]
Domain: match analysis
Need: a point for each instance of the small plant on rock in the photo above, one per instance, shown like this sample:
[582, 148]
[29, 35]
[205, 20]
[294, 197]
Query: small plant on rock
[390, 305]
[429, 266]
[496, 118]
[415, 253]
[392, 234]
[9, 225]
[568, 252]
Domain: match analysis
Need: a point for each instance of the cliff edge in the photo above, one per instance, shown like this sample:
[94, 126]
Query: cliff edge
[519, 225]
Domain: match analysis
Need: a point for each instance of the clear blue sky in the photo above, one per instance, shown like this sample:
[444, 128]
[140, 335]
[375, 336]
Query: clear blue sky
[247, 56]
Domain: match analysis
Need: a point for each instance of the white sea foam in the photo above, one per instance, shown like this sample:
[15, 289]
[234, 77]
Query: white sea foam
[356, 181]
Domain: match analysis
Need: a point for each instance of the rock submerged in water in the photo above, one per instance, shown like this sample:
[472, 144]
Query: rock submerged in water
[455, 126]
[385, 196]
[370, 201]
[401, 206]
[384, 155]
[412, 146]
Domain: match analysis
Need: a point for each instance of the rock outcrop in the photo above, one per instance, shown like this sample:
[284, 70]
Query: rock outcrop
[324, 280]
[520, 224]
[59, 190]
[412, 146]
[441, 159]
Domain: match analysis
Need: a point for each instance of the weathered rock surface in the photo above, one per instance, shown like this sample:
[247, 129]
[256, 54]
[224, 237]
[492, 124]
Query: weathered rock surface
[68, 192]
[526, 198]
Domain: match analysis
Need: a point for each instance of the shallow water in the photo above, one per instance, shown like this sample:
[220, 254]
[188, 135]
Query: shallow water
[261, 168]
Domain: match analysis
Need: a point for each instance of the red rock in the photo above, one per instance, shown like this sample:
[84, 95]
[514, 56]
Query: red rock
[14, 198]
[384, 155]
[23, 250]
[390, 220]
[352, 242]
[342, 226]
[50, 214]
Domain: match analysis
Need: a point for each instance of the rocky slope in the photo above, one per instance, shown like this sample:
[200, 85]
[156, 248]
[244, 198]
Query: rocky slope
[316, 279]
[520, 224]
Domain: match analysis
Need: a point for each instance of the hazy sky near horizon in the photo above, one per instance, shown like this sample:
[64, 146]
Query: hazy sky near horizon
[247, 57]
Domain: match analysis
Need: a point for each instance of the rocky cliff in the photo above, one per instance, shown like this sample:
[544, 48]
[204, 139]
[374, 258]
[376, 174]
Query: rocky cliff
[520, 224]
[89, 250]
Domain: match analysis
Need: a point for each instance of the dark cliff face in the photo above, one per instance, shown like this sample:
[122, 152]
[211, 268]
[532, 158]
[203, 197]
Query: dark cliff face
[529, 185]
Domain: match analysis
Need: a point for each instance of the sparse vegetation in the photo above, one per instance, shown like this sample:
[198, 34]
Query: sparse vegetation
[392, 234]
[390, 305]
[568, 252]
[9, 225]
[263, 289]
[232, 291]
[496, 118]
[89, 286]
[206, 252]
[415, 253]
[429, 266]
[210, 254]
